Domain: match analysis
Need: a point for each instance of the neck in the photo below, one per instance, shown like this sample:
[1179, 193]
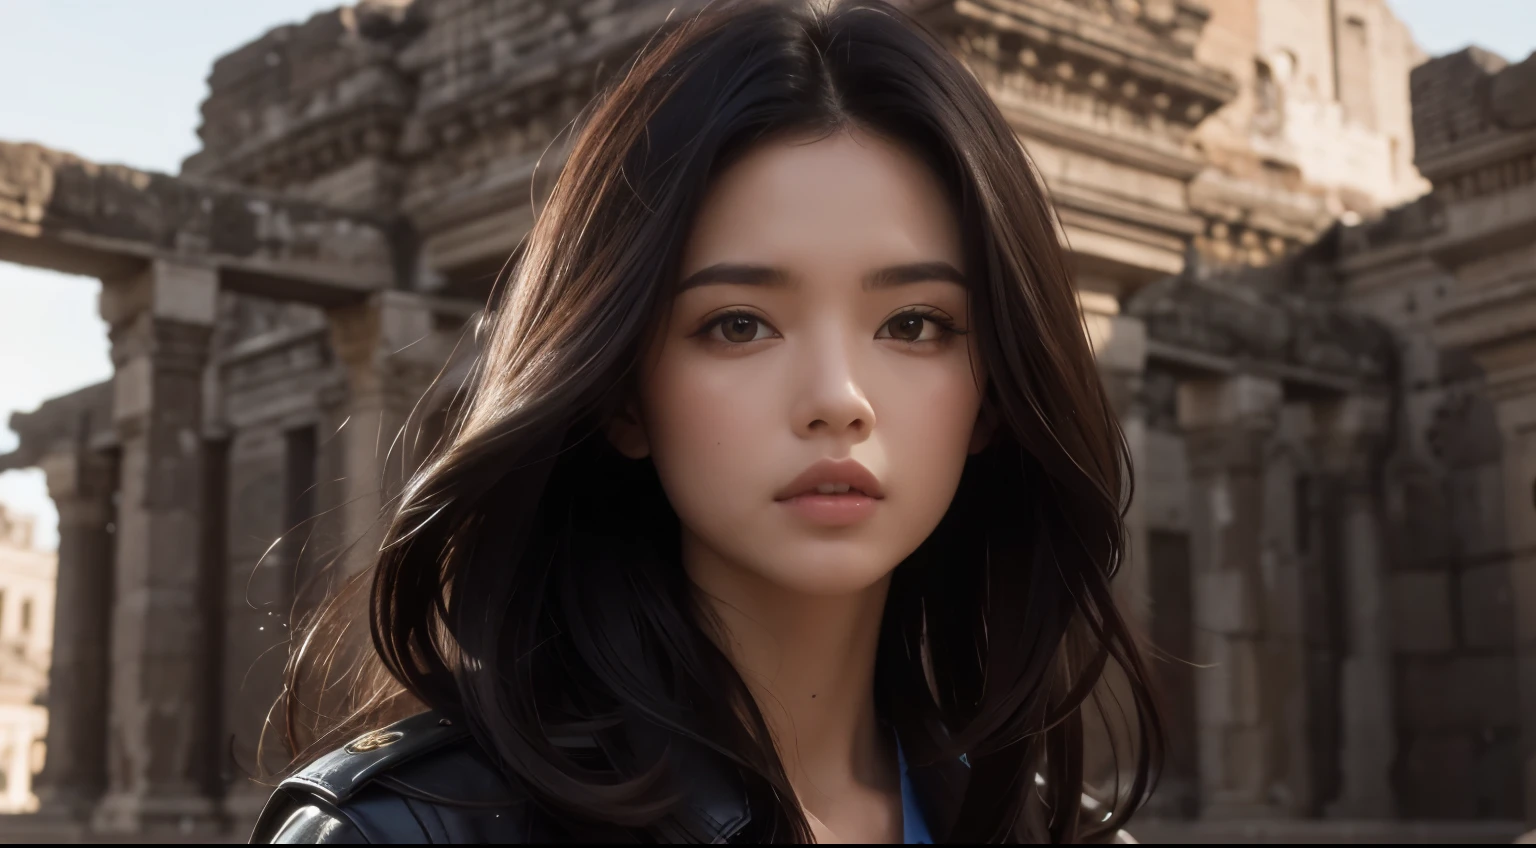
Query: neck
[809, 661]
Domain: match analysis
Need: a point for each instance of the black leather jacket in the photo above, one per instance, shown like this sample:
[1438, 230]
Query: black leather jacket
[426, 780]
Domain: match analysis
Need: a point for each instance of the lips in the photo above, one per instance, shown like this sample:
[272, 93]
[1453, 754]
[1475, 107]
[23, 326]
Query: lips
[833, 477]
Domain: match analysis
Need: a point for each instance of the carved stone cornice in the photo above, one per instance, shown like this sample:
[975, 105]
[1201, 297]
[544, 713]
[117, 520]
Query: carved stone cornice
[517, 71]
[1234, 324]
[312, 148]
[68, 214]
[1095, 64]
[1228, 449]
[81, 482]
[1229, 422]
[308, 99]
[278, 356]
[1487, 166]
[167, 345]
[1497, 325]
[1248, 223]
[1409, 225]
[1229, 244]
[1474, 128]
[1475, 136]
[78, 420]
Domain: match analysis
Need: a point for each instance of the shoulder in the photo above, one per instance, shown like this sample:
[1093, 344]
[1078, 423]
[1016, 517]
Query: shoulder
[418, 780]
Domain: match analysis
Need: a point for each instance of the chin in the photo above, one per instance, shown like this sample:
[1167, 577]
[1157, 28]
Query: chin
[829, 568]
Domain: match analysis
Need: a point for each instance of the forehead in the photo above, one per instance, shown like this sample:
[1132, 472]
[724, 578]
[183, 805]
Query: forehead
[850, 200]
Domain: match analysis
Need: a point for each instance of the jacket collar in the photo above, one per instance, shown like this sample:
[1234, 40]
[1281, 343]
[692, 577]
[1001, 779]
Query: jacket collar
[715, 806]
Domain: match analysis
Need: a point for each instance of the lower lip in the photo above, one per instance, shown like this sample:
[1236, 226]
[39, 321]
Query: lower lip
[832, 510]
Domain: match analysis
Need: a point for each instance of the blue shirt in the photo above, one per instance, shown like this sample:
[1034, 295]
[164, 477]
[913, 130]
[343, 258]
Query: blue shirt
[914, 830]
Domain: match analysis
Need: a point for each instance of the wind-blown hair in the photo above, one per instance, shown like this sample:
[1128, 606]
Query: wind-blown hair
[530, 585]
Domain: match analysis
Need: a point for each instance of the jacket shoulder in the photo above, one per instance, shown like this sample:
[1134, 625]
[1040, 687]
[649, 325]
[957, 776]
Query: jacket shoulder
[418, 780]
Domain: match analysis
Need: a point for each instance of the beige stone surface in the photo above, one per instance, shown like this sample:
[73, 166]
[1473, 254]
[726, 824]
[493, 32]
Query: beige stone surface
[27, 575]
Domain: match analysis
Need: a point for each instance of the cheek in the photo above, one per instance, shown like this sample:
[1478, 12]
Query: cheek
[928, 413]
[703, 427]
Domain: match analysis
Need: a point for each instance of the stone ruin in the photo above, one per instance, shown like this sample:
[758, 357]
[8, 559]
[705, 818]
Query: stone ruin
[1330, 402]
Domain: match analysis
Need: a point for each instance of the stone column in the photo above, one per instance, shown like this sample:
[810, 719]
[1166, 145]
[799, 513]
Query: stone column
[256, 605]
[391, 354]
[160, 747]
[1120, 347]
[1227, 423]
[1351, 434]
[20, 766]
[74, 774]
[1516, 406]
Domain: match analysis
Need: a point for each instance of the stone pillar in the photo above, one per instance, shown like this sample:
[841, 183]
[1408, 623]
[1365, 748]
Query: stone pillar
[74, 774]
[1351, 434]
[161, 747]
[1516, 407]
[391, 354]
[1120, 347]
[1227, 423]
[20, 766]
[256, 605]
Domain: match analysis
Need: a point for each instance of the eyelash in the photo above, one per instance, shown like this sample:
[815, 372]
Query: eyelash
[946, 325]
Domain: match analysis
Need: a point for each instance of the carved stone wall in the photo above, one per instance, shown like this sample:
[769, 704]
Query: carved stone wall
[1288, 154]
[1168, 132]
[1452, 274]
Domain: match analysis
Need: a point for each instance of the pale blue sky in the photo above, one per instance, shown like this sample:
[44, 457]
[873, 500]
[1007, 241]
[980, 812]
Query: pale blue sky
[122, 82]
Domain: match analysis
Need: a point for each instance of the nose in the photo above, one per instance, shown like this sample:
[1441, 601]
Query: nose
[832, 401]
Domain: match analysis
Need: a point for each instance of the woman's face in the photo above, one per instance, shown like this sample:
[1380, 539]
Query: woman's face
[811, 400]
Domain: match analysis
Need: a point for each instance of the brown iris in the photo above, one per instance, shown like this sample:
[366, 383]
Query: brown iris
[908, 328]
[739, 328]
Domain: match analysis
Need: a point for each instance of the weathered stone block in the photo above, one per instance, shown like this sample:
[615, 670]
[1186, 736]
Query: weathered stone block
[185, 293]
[1248, 759]
[1420, 611]
[1489, 689]
[1522, 583]
[1465, 692]
[1525, 673]
[1477, 509]
[1435, 775]
[1228, 688]
[1225, 602]
[1487, 607]
[1461, 775]
[1421, 533]
[1212, 757]
[1496, 775]
[1284, 612]
[1220, 403]
[1119, 341]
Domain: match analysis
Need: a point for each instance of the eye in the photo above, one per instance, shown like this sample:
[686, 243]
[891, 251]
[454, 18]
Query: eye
[739, 328]
[914, 326]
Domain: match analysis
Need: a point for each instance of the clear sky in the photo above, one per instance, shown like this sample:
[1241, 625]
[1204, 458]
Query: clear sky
[122, 82]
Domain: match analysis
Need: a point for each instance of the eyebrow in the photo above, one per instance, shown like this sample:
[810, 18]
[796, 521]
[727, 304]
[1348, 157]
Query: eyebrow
[730, 273]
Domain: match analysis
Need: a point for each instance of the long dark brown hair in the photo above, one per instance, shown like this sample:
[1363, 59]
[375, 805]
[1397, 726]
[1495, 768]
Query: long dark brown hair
[529, 584]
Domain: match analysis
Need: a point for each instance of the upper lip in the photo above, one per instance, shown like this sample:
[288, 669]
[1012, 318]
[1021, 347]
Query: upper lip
[845, 471]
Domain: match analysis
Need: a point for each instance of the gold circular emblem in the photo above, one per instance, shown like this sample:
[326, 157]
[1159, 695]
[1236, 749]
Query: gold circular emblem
[374, 741]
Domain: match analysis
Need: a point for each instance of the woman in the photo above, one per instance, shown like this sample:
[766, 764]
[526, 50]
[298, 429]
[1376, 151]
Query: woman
[787, 500]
